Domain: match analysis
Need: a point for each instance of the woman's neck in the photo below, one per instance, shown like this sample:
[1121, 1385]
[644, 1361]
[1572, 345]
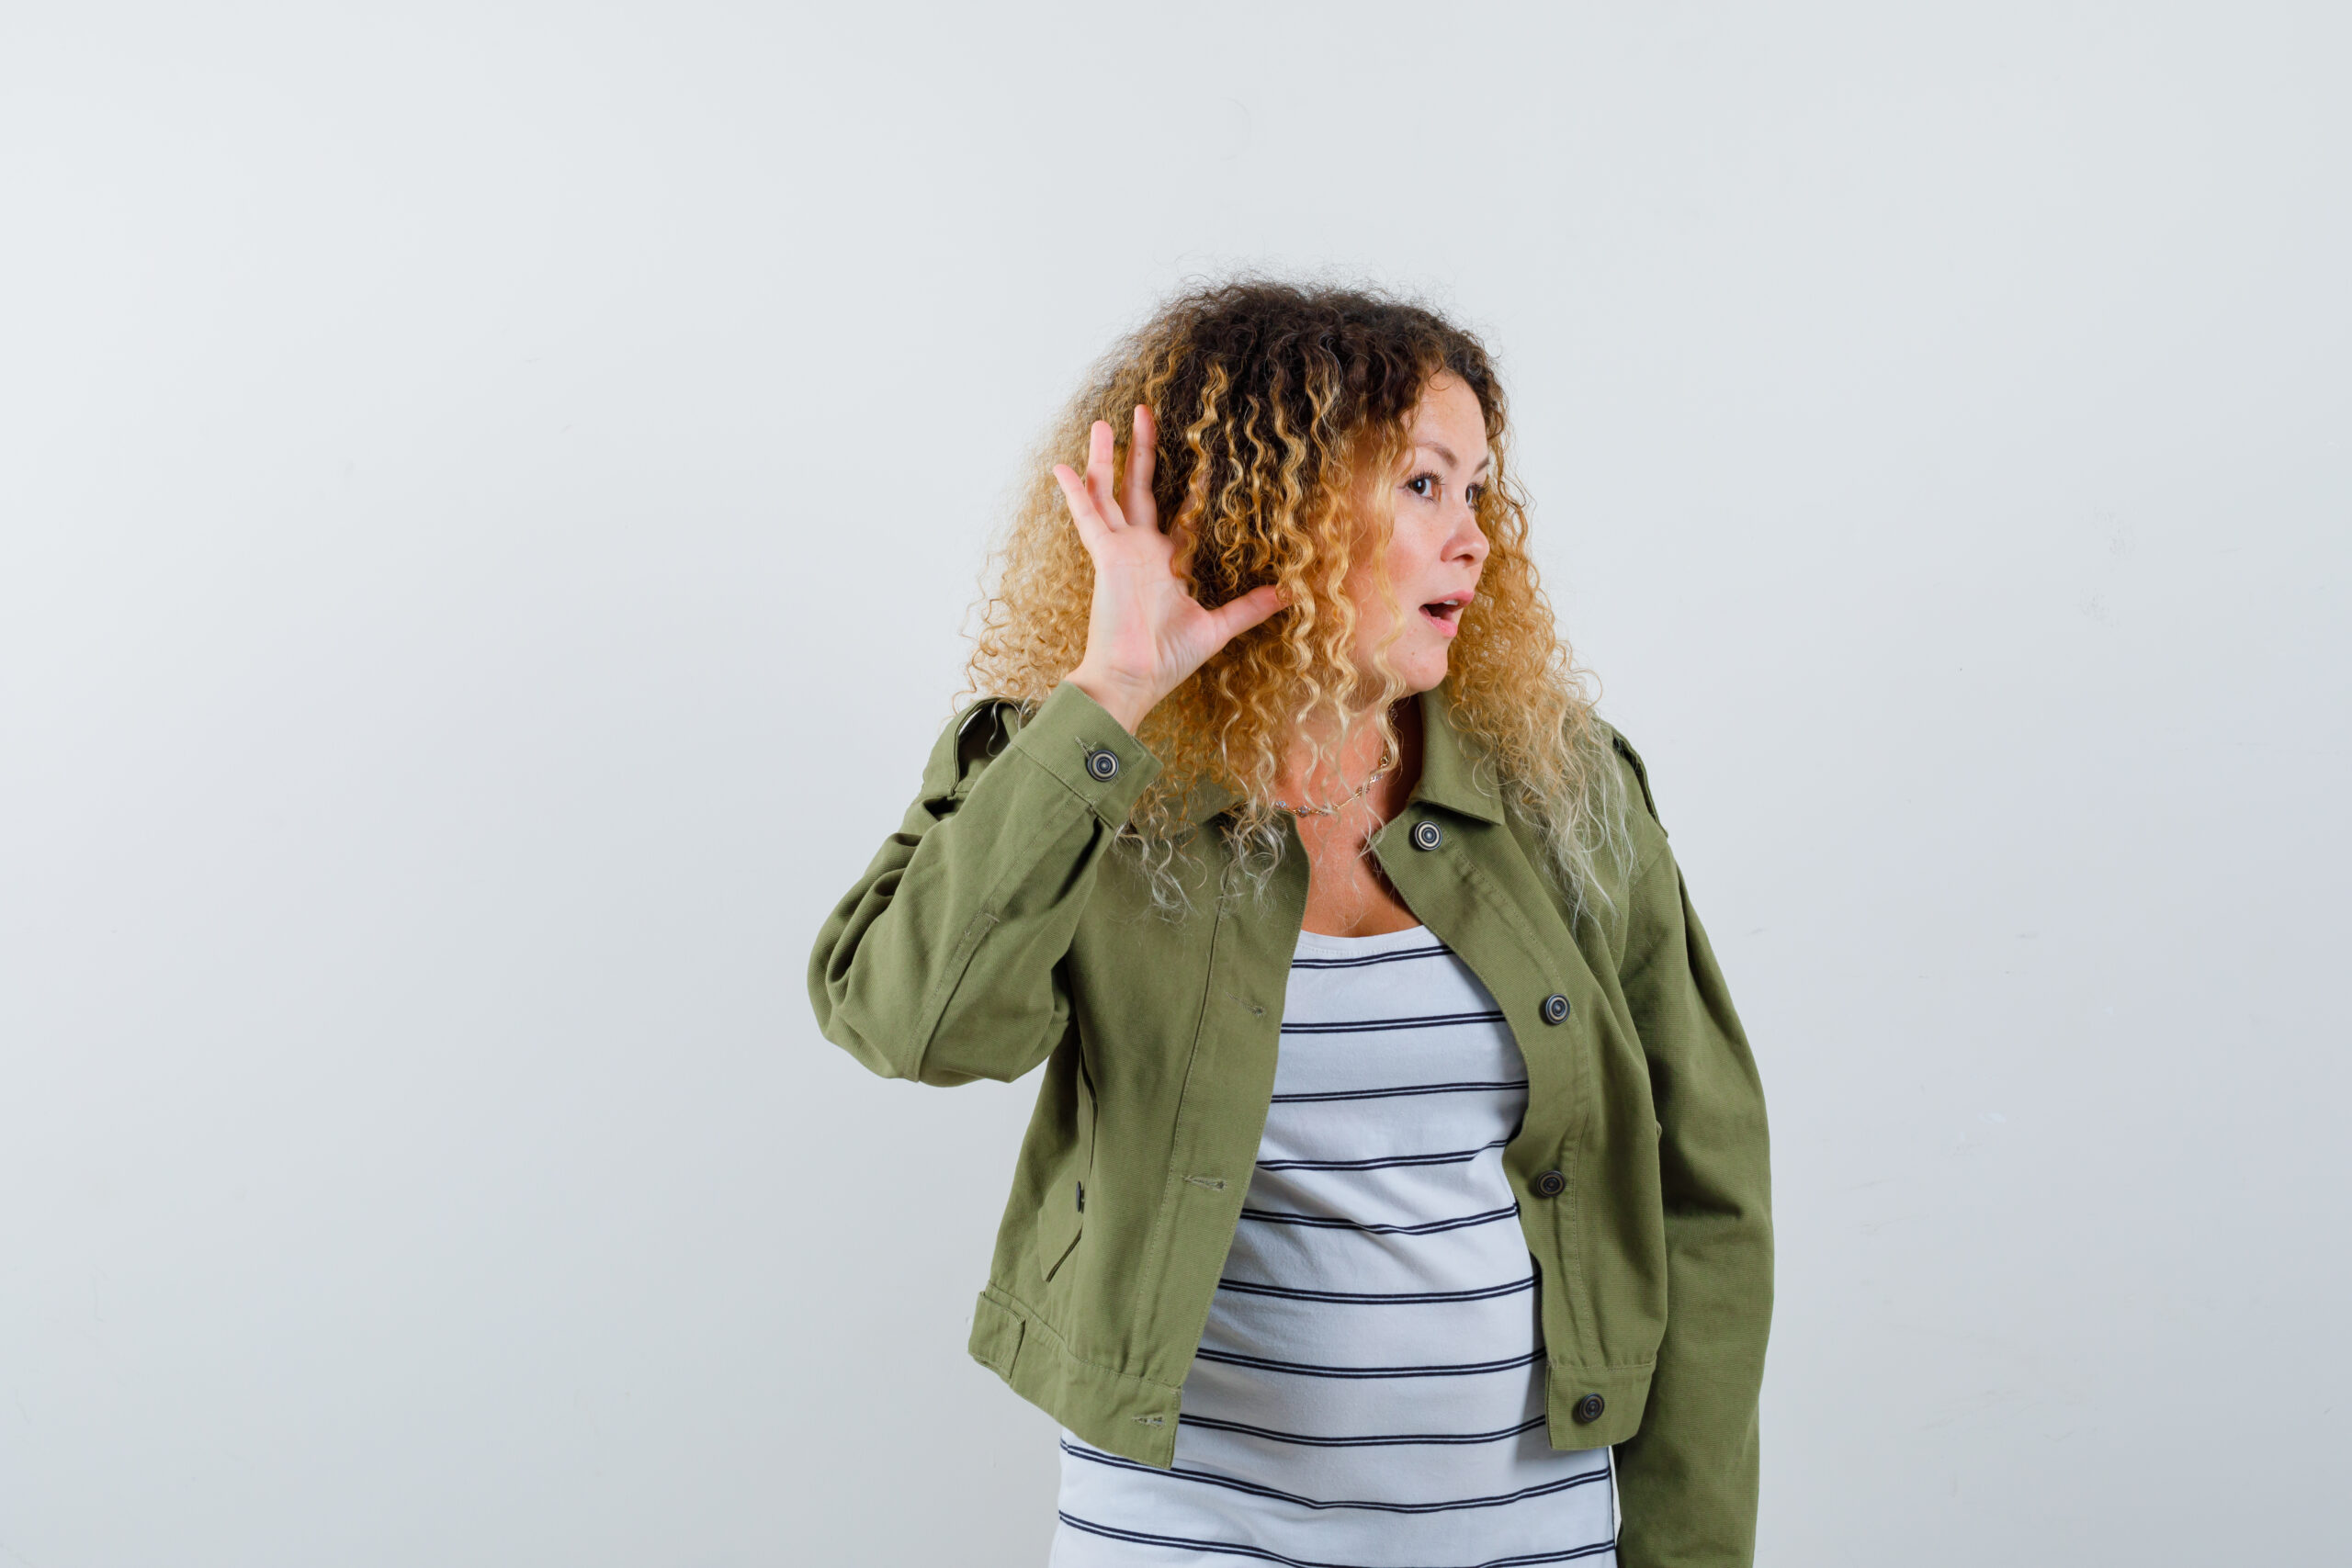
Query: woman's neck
[1347, 894]
[1316, 776]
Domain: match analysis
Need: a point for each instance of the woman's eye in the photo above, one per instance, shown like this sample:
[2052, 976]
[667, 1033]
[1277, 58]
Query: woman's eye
[1474, 495]
[1422, 485]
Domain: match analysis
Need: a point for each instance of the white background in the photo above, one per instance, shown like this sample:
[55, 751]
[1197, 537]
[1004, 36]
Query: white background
[487, 501]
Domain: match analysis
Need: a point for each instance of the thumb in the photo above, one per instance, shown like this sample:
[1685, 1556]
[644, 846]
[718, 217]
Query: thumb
[1238, 616]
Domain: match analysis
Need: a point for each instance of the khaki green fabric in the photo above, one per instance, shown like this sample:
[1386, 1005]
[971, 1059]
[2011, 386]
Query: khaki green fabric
[1001, 929]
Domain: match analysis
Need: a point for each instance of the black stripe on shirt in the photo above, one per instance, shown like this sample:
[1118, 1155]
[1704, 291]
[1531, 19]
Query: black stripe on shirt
[1378, 1440]
[1398, 1089]
[1377, 1025]
[1307, 1370]
[1338, 1223]
[1455, 1157]
[1355, 1298]
[1233, 1549]
[1397, 957]
[1253, 1489]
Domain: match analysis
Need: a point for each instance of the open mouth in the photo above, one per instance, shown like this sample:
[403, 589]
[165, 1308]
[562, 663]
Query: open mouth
[1446, 613]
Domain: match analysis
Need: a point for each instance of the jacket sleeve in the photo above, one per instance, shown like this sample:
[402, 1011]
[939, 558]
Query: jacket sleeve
[942, 962]
[1688, 1479]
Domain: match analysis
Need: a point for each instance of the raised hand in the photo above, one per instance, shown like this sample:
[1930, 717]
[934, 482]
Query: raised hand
[1145, 632]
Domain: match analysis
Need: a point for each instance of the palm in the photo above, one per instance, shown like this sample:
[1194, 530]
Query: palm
[1145, 632]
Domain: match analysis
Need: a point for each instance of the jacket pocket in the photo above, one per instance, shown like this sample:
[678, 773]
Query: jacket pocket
[1061, 1217]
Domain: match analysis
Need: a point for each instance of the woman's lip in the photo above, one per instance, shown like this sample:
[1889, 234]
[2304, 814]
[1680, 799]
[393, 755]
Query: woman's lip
[1446, 627]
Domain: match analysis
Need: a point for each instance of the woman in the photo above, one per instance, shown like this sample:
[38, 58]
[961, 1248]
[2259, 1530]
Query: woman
[1396, 1191]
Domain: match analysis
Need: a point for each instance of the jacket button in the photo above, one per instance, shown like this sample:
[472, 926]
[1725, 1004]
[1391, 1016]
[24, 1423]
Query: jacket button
[1551, 1184]
[1589, 1407]
[1556, 1009]
[1428, 835]
[1081, 1197]
[1102, 764]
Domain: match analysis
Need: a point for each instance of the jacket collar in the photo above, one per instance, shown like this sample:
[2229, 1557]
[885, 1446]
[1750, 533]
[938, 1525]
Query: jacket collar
[1450, 773]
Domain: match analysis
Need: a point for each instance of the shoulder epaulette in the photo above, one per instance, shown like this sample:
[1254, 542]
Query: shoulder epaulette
[1625, 749]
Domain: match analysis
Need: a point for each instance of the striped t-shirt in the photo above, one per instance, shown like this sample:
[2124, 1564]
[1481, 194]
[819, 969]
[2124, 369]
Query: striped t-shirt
[1369, 1391]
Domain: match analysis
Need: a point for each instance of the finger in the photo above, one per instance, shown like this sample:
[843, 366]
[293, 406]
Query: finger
[1100, 458]
[1238, 616]
[1090, 529]
[1142, 453]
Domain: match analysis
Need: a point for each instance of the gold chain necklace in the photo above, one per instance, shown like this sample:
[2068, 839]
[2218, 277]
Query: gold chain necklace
[1387, 765]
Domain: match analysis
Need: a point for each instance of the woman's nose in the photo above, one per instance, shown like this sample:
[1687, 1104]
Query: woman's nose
[1469, 541]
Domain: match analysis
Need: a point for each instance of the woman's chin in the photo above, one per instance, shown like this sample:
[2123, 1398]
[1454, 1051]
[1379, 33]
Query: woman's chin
[1425, 674]
[1421, 670]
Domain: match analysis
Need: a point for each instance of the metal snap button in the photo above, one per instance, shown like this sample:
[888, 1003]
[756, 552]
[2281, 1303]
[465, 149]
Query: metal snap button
[1589, 1407]
[1551, 1184]
[1081, 1197]
[1556, 1009]
[1102, 764]
[1428, 835]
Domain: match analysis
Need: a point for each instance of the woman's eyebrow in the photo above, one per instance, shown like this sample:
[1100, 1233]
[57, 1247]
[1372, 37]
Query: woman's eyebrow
[1442, 450]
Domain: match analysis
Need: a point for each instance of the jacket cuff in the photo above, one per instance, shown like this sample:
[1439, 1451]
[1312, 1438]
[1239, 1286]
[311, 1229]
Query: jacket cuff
[1090, 752]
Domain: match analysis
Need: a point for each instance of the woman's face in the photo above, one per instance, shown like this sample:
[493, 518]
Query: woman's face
[1437, 550]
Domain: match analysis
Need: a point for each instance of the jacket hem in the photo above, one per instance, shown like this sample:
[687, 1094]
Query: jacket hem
[1134, 1417]
[1119, 1413]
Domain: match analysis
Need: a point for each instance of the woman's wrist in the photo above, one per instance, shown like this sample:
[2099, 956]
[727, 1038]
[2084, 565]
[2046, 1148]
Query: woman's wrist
[1122, 700]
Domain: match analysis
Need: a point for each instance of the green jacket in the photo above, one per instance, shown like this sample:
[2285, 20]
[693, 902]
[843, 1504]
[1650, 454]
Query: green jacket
[999, 929]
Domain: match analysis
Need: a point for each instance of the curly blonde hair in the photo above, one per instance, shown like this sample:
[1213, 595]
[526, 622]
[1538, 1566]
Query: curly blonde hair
[1273, 402]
